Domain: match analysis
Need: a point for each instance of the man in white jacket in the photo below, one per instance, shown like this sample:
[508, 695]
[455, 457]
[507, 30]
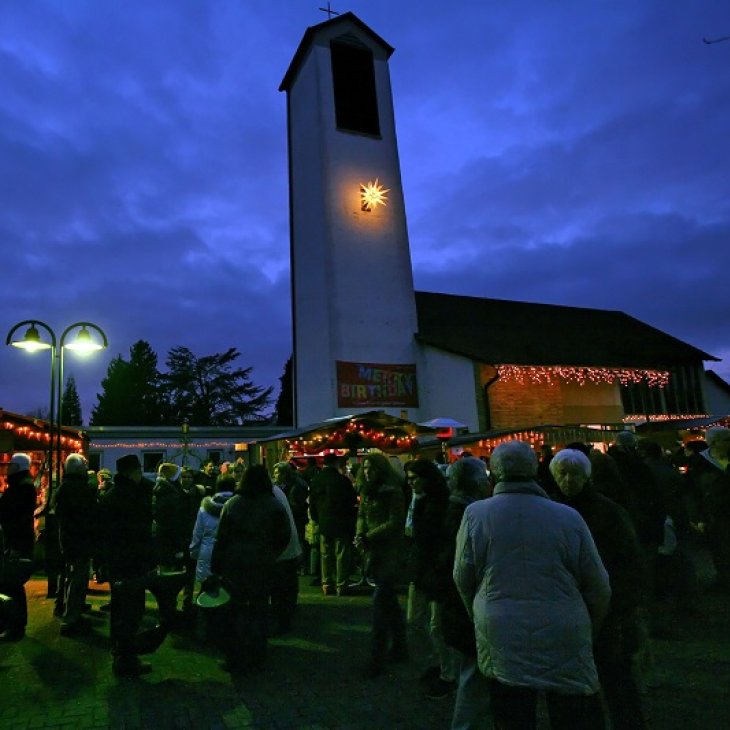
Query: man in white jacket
[530, 576]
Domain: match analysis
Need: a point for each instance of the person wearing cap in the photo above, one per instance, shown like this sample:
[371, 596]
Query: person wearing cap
[76, 511]
[126, 527]
[17, 505]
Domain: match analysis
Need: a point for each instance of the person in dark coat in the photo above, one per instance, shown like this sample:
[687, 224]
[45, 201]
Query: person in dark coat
[333, 506]
[425, 526]
[174, 509]
[645, 503]
[620, 552]
[468, 482]
[708, 479]
[76, 512]
[194, 494]
[379, 534]
[126, 527]
[17, 506]
[296, 490]
[171, 517]
[675, 575]
[252, 532]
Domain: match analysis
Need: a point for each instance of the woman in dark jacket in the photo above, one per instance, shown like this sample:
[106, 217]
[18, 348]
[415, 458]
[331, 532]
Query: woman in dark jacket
[252, 532]
[425, 525]
[379, 533]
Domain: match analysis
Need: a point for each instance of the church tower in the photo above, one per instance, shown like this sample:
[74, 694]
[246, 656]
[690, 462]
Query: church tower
[354, 311]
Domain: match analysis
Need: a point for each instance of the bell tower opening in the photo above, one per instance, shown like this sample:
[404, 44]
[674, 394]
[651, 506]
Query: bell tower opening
[353, 77]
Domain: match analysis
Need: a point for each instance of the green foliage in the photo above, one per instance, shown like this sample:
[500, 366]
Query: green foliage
[71, 408]
[285, 401]
[131, 391]
[207, 391]
[210, 391]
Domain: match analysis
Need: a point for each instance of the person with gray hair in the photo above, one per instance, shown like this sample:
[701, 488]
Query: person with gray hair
[531, 578]
[468, 475]
[613, 532]
[709, 486]
[76, 511]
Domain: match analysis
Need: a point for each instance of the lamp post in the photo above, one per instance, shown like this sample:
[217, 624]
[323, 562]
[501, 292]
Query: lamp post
[82, 344]
[32, 342]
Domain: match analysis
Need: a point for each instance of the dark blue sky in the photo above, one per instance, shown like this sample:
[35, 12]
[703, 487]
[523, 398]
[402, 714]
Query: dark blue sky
[564, 152]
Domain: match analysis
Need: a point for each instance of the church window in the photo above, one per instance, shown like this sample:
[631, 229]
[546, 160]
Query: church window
[353, 77]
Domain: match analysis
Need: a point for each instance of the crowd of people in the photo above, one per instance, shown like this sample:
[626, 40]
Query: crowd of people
[522, 575]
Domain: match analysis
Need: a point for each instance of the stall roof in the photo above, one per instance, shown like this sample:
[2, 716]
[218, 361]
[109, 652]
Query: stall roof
[373, 419]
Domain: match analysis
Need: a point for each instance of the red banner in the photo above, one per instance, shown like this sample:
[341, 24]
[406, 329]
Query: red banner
[362, 384]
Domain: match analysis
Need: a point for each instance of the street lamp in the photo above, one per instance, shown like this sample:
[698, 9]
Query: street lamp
[83, 344]
[32, 342]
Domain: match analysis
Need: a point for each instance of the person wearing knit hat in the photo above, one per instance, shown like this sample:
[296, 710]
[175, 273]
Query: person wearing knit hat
[126, 529]
[173, 514]
[168, 471]
[17, 506]
[76, 512]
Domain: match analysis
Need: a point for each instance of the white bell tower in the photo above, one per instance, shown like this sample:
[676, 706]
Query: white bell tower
[354, 310]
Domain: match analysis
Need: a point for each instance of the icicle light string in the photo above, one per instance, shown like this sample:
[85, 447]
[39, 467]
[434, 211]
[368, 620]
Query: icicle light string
[581, 375]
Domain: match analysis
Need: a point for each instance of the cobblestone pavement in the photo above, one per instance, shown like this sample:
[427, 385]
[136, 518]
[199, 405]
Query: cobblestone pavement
[312, 678]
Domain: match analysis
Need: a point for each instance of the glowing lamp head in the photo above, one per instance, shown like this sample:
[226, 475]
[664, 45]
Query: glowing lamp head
[372, 195]
[83, 344]
[31, 342]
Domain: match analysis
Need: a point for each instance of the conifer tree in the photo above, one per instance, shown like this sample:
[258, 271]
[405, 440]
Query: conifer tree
[131, 391]
[285, 401]
[210, 391]
[71, 408]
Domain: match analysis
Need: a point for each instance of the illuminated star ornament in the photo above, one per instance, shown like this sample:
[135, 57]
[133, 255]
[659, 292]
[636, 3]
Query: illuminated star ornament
[372, 195]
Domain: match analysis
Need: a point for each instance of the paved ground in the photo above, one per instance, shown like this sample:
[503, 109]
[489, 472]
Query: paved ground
[311, 681]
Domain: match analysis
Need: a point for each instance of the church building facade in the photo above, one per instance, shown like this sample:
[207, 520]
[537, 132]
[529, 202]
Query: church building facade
[364, 339]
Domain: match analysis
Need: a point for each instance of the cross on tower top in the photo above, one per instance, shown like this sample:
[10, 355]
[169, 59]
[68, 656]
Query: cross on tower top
[329, 11]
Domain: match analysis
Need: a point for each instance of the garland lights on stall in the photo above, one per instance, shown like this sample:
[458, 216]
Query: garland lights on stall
[36, 434]
[353, 435]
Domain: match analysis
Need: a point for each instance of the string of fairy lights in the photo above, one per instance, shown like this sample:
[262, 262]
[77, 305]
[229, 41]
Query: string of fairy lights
[662, 417]
[36, 434]
[551, 374]
[352, 435]
[162, 444]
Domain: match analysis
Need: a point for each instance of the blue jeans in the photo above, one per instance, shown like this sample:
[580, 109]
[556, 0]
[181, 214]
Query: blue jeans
[473, 707]
[389, 627]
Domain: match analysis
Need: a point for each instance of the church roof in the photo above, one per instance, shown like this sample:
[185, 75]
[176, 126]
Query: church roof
[503, 332]
[308, 38]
